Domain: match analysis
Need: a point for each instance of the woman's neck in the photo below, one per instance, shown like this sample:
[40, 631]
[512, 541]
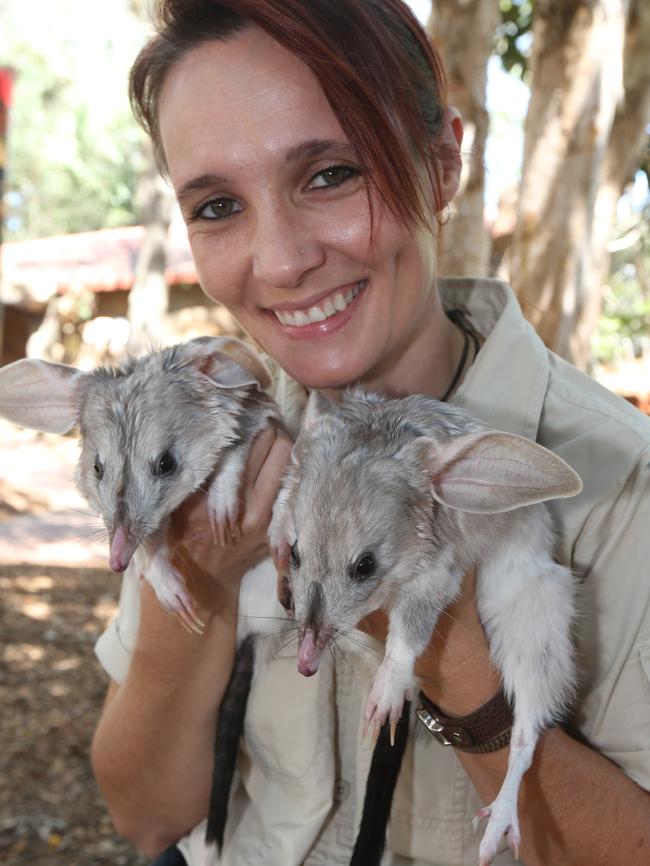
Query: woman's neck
[426, 362]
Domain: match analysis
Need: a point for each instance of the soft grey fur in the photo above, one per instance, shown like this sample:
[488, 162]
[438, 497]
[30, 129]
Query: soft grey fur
[129, 416]
[200, 402]
[373, 475]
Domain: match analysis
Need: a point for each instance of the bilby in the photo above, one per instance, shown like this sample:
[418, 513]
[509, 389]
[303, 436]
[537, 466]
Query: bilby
[152, 432]
[387, 504]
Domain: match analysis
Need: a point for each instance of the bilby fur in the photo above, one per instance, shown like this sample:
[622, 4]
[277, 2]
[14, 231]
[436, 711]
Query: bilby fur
[201, 403]
[430, 492]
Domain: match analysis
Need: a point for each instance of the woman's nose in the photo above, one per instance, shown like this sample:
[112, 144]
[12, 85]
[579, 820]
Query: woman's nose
[284, 250]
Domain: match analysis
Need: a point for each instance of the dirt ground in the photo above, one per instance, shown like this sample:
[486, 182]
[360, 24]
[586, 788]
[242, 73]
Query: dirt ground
[51, 693]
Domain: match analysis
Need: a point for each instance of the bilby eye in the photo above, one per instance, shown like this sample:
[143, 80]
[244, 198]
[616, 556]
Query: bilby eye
[364, 567]
[165, 464]
[99, 468]
[294, 556]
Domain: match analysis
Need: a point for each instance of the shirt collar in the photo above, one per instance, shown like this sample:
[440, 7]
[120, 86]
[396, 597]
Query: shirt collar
[506, 385]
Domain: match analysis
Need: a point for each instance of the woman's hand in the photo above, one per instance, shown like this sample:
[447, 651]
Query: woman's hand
[213, 572]
[454, 671]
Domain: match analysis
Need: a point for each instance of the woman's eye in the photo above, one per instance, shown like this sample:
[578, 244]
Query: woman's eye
[217, 209]
[335, 175]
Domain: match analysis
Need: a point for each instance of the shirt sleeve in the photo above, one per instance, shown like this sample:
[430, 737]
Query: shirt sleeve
[115, 646]
[613, 707]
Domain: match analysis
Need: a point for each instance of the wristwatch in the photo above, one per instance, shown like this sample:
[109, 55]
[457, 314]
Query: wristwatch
[485, 730]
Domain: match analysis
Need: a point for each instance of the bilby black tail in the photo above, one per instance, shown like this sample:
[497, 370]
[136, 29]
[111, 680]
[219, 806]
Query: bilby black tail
[380, 787]
[230, 725]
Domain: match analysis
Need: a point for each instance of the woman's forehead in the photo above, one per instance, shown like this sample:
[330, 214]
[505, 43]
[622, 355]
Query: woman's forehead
[241, 100]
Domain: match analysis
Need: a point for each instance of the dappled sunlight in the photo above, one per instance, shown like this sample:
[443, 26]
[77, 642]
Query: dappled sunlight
[59, 690]
[22, 655]
[37, 583]
[35, 609]
[51, 692]
[67, 664]
[105, 610]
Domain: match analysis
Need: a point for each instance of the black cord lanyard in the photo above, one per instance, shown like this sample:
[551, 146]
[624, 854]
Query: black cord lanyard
[459, 318]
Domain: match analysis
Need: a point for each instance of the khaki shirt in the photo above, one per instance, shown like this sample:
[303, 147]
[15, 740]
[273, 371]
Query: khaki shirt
[299, 788]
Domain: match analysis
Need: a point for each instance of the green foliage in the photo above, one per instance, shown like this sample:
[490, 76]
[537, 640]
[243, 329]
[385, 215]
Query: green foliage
[74, 152]
[514, 35]
[624, 325]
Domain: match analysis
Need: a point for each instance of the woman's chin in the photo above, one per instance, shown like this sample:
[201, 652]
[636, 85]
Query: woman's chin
[323, 374]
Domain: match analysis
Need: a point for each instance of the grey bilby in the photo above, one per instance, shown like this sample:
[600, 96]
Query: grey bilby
[387, 503]
[152, 432]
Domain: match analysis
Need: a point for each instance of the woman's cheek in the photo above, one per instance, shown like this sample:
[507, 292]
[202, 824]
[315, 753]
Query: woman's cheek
[218, 267]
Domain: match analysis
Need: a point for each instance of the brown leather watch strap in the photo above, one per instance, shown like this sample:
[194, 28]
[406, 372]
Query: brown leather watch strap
[485, 730]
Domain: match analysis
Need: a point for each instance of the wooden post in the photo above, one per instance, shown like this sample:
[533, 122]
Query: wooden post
[6, 84]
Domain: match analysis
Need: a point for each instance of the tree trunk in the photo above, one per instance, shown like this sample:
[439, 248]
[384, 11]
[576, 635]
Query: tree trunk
[565, 210]
[463, 32]
[624, 150]
[149, 297]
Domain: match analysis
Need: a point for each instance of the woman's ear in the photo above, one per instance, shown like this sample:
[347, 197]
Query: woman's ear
[448, 142]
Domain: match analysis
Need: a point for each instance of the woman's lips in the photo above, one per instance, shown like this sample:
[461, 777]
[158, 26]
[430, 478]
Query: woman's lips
[324, 317]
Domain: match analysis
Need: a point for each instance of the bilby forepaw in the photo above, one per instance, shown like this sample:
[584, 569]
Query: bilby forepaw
[224, 508]
[392, 685]
[172, 594]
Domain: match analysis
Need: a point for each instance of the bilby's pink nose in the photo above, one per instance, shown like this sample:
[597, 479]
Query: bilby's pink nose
[121, 550]
[309, 655]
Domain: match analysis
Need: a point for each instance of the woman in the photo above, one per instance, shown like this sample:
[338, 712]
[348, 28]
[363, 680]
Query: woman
[311, 150]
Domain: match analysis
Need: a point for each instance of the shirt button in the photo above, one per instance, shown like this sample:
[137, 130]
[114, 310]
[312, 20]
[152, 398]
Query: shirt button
[341, 790]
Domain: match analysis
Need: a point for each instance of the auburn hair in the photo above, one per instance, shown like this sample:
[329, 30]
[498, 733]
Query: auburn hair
[374, 62]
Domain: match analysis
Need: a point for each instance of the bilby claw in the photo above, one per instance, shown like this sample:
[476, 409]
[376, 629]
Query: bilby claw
[512, 837]
[480, 815]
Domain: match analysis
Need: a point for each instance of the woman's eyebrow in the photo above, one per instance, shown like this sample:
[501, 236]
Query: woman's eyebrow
[198, 184]
[317, 146]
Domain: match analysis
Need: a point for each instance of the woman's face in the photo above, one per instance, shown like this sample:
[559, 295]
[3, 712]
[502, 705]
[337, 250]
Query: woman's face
[279, 223]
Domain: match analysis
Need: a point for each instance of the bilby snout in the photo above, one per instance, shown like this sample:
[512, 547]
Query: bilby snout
[122, 547]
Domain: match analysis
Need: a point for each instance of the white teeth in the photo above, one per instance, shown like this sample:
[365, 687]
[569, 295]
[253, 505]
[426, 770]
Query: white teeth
[318, 314]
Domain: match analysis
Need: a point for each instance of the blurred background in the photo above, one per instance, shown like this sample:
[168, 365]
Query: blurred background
[94, 263]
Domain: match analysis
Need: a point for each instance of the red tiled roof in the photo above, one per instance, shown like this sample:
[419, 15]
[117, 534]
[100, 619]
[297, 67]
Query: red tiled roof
[102, 261]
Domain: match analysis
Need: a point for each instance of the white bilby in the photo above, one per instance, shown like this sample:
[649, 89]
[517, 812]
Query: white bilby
[152, 432]
[387, 504]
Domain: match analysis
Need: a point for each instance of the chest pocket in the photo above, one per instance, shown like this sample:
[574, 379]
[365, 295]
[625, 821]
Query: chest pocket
[289, 724]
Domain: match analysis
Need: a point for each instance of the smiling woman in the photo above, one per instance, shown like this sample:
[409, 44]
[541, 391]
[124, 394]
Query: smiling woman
[280, 214]
[279, 219]
[312, 151]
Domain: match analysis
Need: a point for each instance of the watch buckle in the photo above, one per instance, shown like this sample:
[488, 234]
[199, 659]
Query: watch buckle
[432, 724]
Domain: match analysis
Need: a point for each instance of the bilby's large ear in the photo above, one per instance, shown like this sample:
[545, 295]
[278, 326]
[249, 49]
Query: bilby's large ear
[492, 472]
[229, 362]
[40, 395]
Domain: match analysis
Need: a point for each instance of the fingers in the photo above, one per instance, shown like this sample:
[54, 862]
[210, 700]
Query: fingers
[262, 445]
[264, 475]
